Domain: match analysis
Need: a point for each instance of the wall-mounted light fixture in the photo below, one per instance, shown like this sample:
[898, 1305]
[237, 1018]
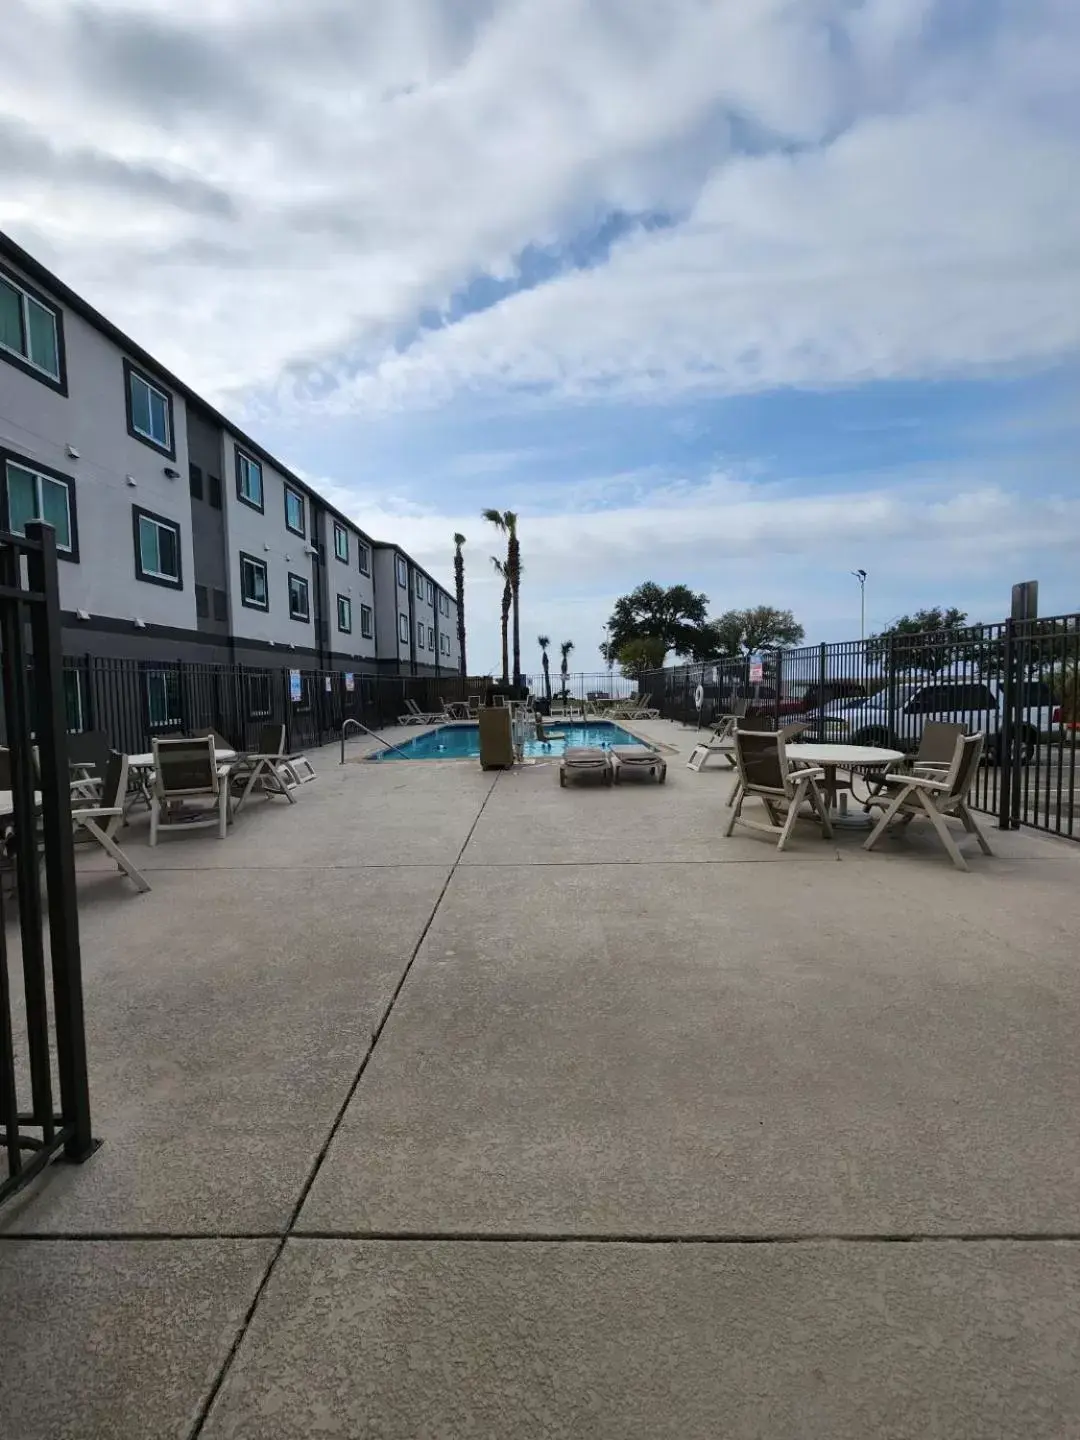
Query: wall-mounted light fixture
[139, 624]
[171, 472]
[72, 453]
[131, 480]
[82, 614]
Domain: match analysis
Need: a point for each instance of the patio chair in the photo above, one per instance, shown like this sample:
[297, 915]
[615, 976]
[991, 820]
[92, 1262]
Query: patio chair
[638, 760]
[724, 727]
[586, 760]
[473, 704]
[100, 818]
[938, 799]
[765, 771]
[88, 759]
[186, 770]
[937, 747]
[267, 766]
[220, 743]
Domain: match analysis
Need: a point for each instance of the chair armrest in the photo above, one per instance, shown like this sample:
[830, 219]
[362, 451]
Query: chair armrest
[918, 782]
[97, 812]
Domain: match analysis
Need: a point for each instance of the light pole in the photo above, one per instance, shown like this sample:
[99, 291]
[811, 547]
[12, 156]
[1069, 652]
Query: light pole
[860, 576]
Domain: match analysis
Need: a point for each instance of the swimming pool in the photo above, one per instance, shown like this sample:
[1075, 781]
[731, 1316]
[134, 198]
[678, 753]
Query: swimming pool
[462, 742]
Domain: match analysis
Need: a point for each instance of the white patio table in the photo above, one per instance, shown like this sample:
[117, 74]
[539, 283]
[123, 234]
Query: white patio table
[832, 758]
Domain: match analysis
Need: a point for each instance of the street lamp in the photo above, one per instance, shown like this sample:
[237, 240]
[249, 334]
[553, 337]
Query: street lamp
[860, 576]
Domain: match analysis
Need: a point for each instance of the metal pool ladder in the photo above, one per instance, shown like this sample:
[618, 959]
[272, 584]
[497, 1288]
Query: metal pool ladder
[368, 731]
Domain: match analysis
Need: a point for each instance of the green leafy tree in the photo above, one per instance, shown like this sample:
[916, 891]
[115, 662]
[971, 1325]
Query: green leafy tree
[506, 521]
[741, 633]
[501, 570]
[927, 640]
[564, 650]
[544, 641]
[638, 656]
[459, 588]
[675, 614]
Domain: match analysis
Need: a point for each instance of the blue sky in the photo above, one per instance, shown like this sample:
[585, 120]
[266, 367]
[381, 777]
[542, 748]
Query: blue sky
[741, 293]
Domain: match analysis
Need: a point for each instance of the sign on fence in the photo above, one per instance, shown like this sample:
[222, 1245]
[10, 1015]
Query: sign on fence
[296, 686]
[757, 674]
[329, 684]
[350, 681]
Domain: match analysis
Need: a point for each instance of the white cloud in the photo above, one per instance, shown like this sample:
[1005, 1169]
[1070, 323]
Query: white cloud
[252, 190]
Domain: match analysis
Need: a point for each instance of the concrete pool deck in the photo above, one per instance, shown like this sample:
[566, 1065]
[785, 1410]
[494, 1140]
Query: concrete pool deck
[446, 1103]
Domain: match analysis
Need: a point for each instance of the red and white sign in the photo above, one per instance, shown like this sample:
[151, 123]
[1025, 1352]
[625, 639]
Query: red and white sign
[757, 674]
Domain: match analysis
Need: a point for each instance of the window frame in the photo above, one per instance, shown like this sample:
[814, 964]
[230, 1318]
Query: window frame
[420, 635]
[342, 532]
[138, 514]
[431, 594]
[402, 572]
[345, 600]
[165, 673]
[419, 586]
[253, 678]
[23, 362]
[195, 481]
[292, 493]
[404, 629]
[259, 565]
[133, 372]
[369, 633]
[431, 638]
[76, 693]
[363, 554]
[240, 454]
[214, 496]
[45, 472]
[306, 583]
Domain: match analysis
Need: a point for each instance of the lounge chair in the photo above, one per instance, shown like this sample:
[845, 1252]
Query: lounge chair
[638, 760]
[586, 760]
[186, 770]
[642, 710]
[766, 772]
[98, 819]
[937, 800]
[415, 716]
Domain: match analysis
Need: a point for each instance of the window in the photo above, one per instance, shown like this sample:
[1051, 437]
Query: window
[403, 629]
[430, 593]
[31, 332]
[149, 411]
[419, 587]
[366, 618]
[221, 604]
[33, 493]
[162, 689]
[213, 490]
[444, 644]
[950, 699]
[157, 549]
[430, 638]
[344, 614]
[258, 693]
[402, 574]
[74, 708]
[341, 543]
[254, 591]
[249, 481]
[294, 512]
[444, 604]
[299, 606]
[419, 634]
[365, 557]
[202, 602]
[195, 482]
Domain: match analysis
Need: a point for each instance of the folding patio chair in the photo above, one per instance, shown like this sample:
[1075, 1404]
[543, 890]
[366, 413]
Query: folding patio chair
[766, 772]
[938, 799]
[186, 770]
[265, 767]
[937, 747]
[100, 818]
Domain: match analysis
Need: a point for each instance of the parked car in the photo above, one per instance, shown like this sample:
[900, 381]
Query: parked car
[817, 697]
[978, 704]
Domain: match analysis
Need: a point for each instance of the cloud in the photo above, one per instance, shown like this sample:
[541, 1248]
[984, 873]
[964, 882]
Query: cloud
[877, 190]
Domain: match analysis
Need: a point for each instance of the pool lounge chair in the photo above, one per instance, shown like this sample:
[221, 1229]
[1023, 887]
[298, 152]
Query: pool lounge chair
[638, 760]
[586, 760]
[415, 716]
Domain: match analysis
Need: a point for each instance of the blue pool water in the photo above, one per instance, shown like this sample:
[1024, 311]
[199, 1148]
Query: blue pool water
[462, 742]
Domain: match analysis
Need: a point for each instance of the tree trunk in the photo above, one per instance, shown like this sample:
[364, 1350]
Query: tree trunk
[547, 679]
[513, 558]
[505, 634]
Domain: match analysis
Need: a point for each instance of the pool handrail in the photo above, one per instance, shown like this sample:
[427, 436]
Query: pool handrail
[368, 731]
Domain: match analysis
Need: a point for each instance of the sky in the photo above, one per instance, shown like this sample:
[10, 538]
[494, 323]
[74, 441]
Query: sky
[743, 294]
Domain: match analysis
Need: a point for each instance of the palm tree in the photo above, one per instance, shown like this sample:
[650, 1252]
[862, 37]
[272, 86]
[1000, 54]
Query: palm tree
[506, 521]
[544, 641]
[564, 651]
[500, 569]
[459, 586]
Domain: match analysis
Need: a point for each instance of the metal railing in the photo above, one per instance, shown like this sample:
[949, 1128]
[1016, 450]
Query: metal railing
[1016, 681]
[37, 828]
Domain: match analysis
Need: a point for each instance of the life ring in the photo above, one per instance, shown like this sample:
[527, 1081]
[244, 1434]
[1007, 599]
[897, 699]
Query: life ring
[699, 696]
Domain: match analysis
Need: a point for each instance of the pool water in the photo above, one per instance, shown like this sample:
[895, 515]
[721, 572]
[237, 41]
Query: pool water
[462, 742]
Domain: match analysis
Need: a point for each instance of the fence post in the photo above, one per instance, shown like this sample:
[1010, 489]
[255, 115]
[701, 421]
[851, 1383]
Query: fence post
[1009, 730]
[823, 666]
[777, 681]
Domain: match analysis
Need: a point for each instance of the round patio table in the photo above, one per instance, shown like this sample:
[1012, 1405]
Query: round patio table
[831, 758]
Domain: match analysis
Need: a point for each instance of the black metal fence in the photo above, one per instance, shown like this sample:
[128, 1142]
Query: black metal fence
[1016, 681]
[37, 828]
